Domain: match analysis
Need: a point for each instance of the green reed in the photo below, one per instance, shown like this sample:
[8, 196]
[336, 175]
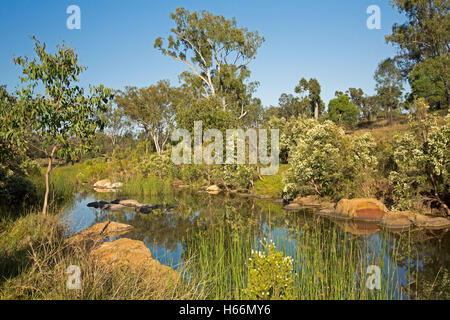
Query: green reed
[327, 262]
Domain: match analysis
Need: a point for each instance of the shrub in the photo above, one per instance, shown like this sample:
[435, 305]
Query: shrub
[289, 133]
[422, 162]
[270, 275]
[326, 162]
[17, 191]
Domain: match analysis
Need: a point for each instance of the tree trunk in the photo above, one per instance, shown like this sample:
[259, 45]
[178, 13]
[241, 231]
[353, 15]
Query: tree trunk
[47, 183]
[316, 111]
[390, 115]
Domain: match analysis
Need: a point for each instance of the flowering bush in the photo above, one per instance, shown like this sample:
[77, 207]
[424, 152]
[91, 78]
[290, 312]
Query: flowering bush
[422, 161]
[326, 162]
[289, 132]
[270, 275]
[235, 176]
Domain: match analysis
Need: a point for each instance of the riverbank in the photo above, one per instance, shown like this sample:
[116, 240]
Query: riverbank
[35, 256]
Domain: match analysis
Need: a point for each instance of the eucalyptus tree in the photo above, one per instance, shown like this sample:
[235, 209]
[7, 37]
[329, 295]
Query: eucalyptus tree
[342, 111]
[311, 91]
[423, 43]
[153, 108]
[12, 136]
[389, 86]
[116, 124]
[62, 114]
[430, 79]
[292, 106]
[425, 33]
[216, 53]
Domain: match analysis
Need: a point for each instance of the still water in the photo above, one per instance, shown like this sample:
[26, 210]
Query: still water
[423, 256]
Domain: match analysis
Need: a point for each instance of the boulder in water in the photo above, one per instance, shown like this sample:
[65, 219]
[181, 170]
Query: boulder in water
[361, 209]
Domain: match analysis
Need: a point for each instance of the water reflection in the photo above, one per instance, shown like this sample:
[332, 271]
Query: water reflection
[422, 267]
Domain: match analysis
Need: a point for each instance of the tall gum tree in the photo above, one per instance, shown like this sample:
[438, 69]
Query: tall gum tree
[62, 115]
[217, 53]
[312, 91]
[153, 108]
[423, 43]
[389, 86]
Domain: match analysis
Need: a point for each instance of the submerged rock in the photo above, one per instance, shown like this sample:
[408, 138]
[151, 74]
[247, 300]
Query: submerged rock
[99, 204]
[294, 207]
[128, 203]
[432, 223]
[308, 201]
[114, 207]
[396, 221]
[146, 209]
[361, 209]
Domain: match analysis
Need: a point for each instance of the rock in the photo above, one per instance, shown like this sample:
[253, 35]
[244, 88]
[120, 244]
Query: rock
[214, 189]
[331, 213]
[128, 203]
[396, 221]
[102, 190]
[294, 207]
[136, 257]
[114, 207]
[98, 204]
[117, 185]
[431, 223]
[101, 231]
[148, 208]
[309, 201]
[361, 209]
[106, 184]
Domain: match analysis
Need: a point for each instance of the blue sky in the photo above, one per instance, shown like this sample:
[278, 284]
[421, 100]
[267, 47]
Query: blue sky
[326, 39]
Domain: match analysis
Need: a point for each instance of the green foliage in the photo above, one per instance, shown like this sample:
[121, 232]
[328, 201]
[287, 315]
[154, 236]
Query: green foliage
[342, 111]
[291, 106]
[62, 112]
[208, 111]
[63, 117]
[326, 162]
[289, 132]
[216, 52]
[270, 275]
[271, 185]
[16, 194]
[422, 161]
[389, 86]
[429, 79]
[156, 165]
[311, 95]
[235, 176]
[426, 32]
[153, 108]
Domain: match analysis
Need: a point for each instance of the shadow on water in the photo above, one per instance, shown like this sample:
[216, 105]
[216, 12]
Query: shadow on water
[421, 267]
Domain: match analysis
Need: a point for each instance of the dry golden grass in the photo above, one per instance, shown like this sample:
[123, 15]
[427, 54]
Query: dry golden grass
[34, 266]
